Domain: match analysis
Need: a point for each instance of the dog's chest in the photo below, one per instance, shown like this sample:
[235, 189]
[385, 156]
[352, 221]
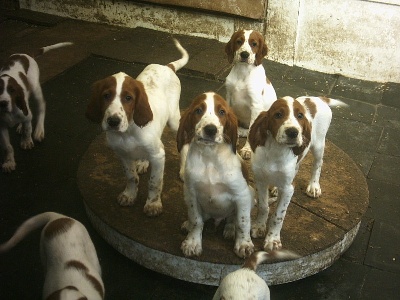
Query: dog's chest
[127, 145]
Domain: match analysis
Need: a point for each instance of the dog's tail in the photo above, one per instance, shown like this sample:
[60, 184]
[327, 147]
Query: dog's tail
[178, 64]
[261, 256]
[43, 50]
[27, 227]
[335, 102]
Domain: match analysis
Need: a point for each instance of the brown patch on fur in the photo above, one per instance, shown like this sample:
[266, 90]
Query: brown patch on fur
[22, 59]
[82, 268]
[312, 108]
[138, 109]
[172, 67]
[245, 170]
[236, 41]
[305, 125]
[259, 131]
[188, 121]
[102, 94]
[17, 94]
[228, 121]
[258, 45]
[57, 227]
[24, 79]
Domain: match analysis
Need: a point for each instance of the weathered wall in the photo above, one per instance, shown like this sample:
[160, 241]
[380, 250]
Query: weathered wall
[355, 38]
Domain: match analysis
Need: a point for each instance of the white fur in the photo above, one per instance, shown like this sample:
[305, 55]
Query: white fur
[248, 91]
[275, 164]
[11, 115]
[69, 257]
[214, 187]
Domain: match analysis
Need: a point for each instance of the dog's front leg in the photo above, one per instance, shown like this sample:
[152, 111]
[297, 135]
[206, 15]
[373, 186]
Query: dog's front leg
[192, 245]
[259, 226]
[314, 188]
[273, 238]
[128, 196]
[153, 206]
[9, 162]
[244, 247]
[26, 133]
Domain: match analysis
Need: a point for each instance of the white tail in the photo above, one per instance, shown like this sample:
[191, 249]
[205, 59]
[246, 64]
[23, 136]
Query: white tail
[51, 47]
[261, 256]
[178, 64]
[27, 227]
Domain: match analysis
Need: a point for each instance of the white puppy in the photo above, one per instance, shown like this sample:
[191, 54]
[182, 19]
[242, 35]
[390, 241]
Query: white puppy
[68, 256]
[245, 283]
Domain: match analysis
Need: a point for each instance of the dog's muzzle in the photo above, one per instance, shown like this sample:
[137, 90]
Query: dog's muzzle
[4, 106]
[292, 135]
[113, 122]
[209, 134]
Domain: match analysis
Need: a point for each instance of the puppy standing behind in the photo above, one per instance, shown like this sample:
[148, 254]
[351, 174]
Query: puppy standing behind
[248, 91]
[215, 177]
[68, 257]
[245, 283]
[280, 138]
[19, 78]
[134, 112]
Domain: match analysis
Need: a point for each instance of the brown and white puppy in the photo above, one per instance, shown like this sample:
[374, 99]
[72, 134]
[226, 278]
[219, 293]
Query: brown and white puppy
[215, 177]
[245, 283]
[19, 78]
[248, 90]
[280, 138]
[68, 256]
[134, 112]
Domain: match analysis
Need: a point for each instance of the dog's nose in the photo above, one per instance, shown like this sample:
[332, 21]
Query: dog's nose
[292, 132]
[244, 54]
[113, 121]
[210, 130]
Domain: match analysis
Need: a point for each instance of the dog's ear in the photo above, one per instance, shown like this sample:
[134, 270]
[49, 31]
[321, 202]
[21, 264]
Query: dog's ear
[94, 109]
[259, 131]
[231, 129]
[185, 131]
[17, 94]
[142, 113]
[262, 50]
[230, 47]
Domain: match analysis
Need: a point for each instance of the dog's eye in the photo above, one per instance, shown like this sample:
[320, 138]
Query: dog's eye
[239, 42]
[11, 90]
[128, 98]
[278, 115]
[107, 96]
[253, 44]
[198, 111]
[300, 116]
[222, 112]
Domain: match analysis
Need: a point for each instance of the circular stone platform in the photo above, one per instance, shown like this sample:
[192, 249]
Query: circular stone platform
[320, 230]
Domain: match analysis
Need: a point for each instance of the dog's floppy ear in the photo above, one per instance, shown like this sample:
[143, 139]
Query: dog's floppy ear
[262, 50]
[259, 131]
[185, 131]
[94, 109]
[17, 94]
[231, 129]
[142, 113]
[306, 138]
[230, 47]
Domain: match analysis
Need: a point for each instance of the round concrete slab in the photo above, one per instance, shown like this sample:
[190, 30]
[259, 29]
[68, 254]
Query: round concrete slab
[320, 230]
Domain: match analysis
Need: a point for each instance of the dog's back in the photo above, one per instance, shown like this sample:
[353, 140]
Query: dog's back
[68, 256]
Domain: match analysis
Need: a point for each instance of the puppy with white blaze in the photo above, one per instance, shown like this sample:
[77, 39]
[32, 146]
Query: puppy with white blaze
[245, 283]
[68, 257]
[280, 138]
[215, 177]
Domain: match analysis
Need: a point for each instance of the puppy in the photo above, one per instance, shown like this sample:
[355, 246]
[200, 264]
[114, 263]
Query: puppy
[68, 256]
[248, 90]
[215, 177]
[134, 112]
[280, 138]
[19, 78]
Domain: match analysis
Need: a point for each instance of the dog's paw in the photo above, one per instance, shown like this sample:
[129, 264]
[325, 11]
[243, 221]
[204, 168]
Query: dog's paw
[243, 132]
[38, 135]
[8, 166]
[245, 153]
[124, 199]
[27, 143]
[258, 230]
[142, 166]
[191, 247]
[271, 244]
[273, 191]
[229, 231]
[244, 249]
[153, 208]
[313, 190]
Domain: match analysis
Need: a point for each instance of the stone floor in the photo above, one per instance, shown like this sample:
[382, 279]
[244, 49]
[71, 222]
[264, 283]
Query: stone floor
[46, 176]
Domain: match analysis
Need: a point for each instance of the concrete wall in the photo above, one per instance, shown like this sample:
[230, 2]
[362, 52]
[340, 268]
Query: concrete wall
[355, 38]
